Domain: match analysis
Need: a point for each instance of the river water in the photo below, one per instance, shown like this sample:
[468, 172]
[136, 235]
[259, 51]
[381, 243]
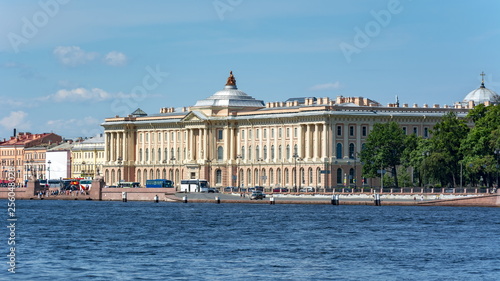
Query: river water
[90, 240]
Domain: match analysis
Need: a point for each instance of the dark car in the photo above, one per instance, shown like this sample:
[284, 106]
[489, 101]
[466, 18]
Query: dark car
[257, 195]
[280, 190]
[213, 190]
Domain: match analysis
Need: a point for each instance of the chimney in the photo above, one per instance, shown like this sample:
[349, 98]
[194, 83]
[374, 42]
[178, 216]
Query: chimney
[15, 132]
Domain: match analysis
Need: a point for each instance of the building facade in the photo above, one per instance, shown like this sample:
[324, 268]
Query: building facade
[232, 139]
[23, 155]
[87, 157]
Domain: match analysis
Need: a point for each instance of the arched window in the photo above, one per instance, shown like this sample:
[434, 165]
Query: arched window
[265, 152]
[159, 154]
[145, 174]
[278, 174]
[302, 176]
[241, 178]
[280, 158]
[271, 176]
[257, 152]
[287, 152]
[220, 153]
[140, 154]
[339, 176]
[318, 174]
[351, 150]
[256, 176]
[106, 177]
[172, 153]
[249, 177]
[164, 174]
[310, 176]
[151, 176]
[286, 176]
[263, 177]
[147, 154]
[295, 149]
[339, 151]
[158, 173]
[152, 154]
[250, 153]
[352, 179]
[165, 154]
[243, 153]
[218, 176]
[139, 178]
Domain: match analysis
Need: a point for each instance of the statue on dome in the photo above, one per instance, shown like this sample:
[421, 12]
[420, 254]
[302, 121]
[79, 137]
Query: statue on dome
[231, 81]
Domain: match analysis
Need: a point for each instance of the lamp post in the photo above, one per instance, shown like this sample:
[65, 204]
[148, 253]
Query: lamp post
[296, 158]
[497, 153]
[48, 170]
[119, 170]
[82, 169]
[238, 159]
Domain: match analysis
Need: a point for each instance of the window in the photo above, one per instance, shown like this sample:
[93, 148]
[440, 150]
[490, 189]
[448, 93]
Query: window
[218, 176]
[220, 134]
[250, 153]
[318, 174]
[265, 133]
[415, 130]
[279, 153]
[287, 151]
[287, 132]
[243, 153]
[257, 152]
[364, 131]
[172, 152]
[286, 176]
[159, 154]
[220, 153]
[339, 151]
[147, 154]
[165, 154]
[272, 152]
[339, 176]
[265, 152]
[339, 130]
[295, 132]
[352, 179]
[242, 134]
[351, 131]
[351, 150]
[271, 176]
[249, 134]
[166, 137]
[278, 174]
[404, 130]
[159, 137]
[140, 154]
[426, 132]
[295, 150]
[257, 134]
[280, 132]
[272, 133]
[147, 137]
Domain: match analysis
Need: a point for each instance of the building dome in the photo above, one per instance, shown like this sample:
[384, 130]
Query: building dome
[230, 96]
[482, 95]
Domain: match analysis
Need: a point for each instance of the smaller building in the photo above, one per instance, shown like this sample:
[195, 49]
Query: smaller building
[87, 157]
[58, 161]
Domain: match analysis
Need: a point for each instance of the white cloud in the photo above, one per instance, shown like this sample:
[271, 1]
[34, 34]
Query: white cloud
[115, 58]
[326, 86]
[73, 55]
[87, 126]
[83, 94]
[16, 119]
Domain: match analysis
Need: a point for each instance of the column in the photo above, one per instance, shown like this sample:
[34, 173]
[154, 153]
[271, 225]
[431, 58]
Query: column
[232, 142]
[324, 139]
[316, 141]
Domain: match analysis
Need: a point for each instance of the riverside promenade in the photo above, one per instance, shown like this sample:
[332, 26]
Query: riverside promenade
[34, 192]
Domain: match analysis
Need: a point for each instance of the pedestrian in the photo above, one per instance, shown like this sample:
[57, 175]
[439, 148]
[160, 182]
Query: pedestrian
[422, 198]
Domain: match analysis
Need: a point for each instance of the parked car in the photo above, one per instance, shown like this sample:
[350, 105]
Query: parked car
[280, 189]
[257, 195]
[307, 189]
[230, 189]
[259, 188]
[213, 190]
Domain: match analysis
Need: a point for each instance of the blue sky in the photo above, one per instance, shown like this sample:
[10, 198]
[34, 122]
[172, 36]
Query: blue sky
[65, 65]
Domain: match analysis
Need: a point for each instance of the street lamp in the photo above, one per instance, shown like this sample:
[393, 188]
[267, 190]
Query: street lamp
[497, 153]
[296, 158]
[119, 170]
[238, 159]
[48, 170]
[259, 161]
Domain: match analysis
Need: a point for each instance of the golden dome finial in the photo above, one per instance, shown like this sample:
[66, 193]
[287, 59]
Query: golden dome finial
[231, 81]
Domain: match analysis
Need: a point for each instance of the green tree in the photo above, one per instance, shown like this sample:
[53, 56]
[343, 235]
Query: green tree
[383, 149]
[443, 160]
[481, 143]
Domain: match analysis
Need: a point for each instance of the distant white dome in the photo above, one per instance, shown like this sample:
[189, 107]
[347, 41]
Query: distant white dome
[230, 96]
[482, 95]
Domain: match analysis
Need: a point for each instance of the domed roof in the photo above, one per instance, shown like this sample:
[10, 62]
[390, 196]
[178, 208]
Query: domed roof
[482, 95]
[230, 96]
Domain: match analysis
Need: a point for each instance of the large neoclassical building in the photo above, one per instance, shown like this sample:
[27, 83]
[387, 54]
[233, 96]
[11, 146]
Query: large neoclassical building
[232, 139]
